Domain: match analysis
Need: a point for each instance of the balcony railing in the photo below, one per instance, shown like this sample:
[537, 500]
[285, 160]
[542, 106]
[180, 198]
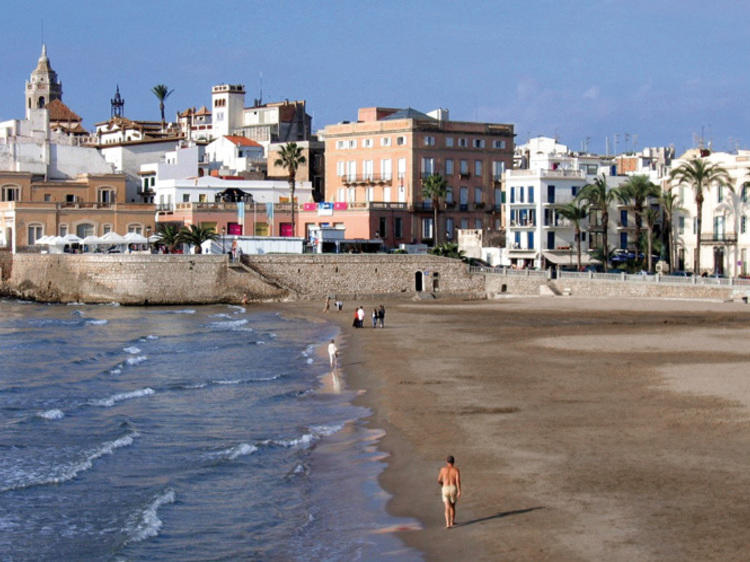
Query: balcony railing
[366, 179]
[719, 238]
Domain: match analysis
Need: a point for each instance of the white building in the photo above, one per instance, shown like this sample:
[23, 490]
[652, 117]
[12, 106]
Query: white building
[725, 240]
[236, 153]
[536, 235]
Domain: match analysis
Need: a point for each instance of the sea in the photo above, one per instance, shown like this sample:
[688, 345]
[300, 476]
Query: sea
[183, 433]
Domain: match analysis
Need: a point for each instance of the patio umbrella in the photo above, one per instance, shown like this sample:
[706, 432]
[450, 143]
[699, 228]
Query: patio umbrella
[71, 239]
[44, 240]
[113, 238]
[135, 238]
[92, 241]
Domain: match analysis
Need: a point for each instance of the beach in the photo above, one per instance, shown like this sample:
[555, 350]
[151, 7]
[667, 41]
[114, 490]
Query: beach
[585, 429]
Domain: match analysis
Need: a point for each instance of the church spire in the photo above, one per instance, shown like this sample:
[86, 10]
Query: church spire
[42, 86]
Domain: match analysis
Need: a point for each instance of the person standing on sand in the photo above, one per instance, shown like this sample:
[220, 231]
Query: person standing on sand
[361, 317]
[327, 305]
[333, 353]
[449, 479]
[381, 316]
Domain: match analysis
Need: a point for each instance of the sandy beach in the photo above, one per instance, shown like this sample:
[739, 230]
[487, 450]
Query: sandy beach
[585, 429]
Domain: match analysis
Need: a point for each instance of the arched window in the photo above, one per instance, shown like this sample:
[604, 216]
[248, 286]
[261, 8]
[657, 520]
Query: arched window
[11, 193]
[137, 228]
[85, 229]
[106, 195]
[41, 102]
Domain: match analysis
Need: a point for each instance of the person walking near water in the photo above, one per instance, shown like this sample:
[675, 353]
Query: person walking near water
[449, 479]
[381, 316]
[333, 353]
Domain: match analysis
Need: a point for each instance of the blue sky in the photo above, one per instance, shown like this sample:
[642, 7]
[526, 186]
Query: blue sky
[653, 73]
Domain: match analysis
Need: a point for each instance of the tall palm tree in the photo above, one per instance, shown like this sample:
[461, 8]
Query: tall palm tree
[652, 216]
[435, 187]
[195, 235]
[168, 236]
[290, 158]
[669, 203]
[637, 189]
[161, 92]
[597, 196]
[575, 212]
[699, 174]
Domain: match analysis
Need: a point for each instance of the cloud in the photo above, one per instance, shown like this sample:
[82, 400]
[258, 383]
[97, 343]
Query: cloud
[592, 93]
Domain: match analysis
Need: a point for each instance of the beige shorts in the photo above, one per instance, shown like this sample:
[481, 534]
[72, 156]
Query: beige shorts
[449, 493]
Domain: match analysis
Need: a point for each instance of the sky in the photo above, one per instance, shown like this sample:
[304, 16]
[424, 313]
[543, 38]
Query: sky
[637, 73]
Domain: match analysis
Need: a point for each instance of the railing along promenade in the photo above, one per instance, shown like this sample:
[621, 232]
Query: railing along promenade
[616, 277]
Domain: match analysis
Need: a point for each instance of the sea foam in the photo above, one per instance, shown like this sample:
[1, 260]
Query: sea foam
[54, 414]
[112, 400]
[146, 523]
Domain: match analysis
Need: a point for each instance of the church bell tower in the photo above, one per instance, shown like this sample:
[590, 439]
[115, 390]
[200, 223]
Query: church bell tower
[43, 86]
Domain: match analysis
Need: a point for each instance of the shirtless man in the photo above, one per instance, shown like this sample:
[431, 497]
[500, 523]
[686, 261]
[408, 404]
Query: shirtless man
[450, 480]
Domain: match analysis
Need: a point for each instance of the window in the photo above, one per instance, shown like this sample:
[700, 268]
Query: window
[340, 145]
[478, 224]
[574, 190]
[448, 194]
[398, 227]
[449, 226]
[512, 194]
[386, 171]
[369, 194]
[428, 166]
[530, 240]
[498, 169]
[137, 228]
[353, 143]
[382, 227]
[47, 197]
[385, 141]
[477, 195]
[341, 168]
[70, 198]
[429, 140]
[186, 198]
[427, 228]
[464, 167]
[681, 225]
[623, 240]
[462, 142]
[106, 228]
[498, 198]
[550, 194]
[531, 193]
[35, 233]
[341, 195]
[202, 198]
[449, 166]
[351, 194]
[11, 193]
[478, 168]
[478, 143]
[106, 196]
[219, 116]
[464, 223]
[352, 170]
[366, 143]
[401, 141]
[84, 229]
[463, 198]
[498, 144]
[623, 218]
[63, 230]
[550, 240]
[520, 194]
[449, 142]
[401, 168]
[367, 169]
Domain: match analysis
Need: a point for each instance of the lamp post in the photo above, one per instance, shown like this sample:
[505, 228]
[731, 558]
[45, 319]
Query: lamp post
[223, 232]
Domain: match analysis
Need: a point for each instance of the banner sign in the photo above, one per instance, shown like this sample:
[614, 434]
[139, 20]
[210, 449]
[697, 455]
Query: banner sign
[342, 206]
[309, 206]
[325, 209]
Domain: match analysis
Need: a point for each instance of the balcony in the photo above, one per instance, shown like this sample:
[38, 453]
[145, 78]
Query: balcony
[719, 238]
[379, 205]
[366, 179]
[463, 207]
[464, 175]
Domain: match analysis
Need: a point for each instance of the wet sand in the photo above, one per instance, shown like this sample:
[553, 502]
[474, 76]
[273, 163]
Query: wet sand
[585, 429]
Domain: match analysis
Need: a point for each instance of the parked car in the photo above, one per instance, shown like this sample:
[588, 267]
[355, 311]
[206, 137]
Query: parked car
[681, 274]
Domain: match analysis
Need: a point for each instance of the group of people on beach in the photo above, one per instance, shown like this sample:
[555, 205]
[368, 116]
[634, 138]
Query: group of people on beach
[377, 315]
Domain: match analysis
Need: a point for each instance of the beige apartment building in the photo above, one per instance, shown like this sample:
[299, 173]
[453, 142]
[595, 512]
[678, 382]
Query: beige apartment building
[381, 161]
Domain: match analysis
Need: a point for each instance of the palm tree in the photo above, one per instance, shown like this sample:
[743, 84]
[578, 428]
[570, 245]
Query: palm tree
[699, 174]
[161, 92]
[652, 216]
[168, 236]
[435, 187]
[597, 196]
[669, 203]
[575, 212]
[195, 235]
[637, 189]
[290, 158]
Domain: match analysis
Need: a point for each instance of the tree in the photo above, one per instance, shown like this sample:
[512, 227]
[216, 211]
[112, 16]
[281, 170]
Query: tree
[447, 250]
[161, 92]
[290, 158]
[638, 189]
[435, 187]
[597, 196]
[575, 212]
[652, 216]
[195, 235]
[699, 174]
[168, 236]
[669, 203]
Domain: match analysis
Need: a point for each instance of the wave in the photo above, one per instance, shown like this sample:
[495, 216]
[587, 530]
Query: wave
[136, 360]
[76, 304]
[96, 322]
[53, 414]
[62, 473]
[133, 350]
[179, 311]
[112, 400]
[306, 440]
[237, 451]
[237, 308]
[116, 370]
[228, 324]
[221, 315]
[146, 523]
[226, 381]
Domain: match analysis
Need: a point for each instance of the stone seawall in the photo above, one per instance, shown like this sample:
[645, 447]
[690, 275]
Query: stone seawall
[184, 279]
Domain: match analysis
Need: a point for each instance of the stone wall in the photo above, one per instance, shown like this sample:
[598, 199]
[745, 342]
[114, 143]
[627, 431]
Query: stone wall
[183, 279]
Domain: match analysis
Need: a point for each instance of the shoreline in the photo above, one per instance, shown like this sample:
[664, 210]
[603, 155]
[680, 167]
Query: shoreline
[596, 446]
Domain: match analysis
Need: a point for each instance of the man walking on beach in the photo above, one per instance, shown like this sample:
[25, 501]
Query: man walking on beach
[333, 353]
[449, 478]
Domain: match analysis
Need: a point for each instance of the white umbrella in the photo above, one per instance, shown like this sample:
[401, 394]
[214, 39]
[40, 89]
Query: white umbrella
[113, 238]
[57, 241]
[154, 238]
[135, 238]
[92, 240]
[43, 240]
[71, 239]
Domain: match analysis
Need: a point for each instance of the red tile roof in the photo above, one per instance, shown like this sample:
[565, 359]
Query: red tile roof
[242, 141]
[58, 111]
